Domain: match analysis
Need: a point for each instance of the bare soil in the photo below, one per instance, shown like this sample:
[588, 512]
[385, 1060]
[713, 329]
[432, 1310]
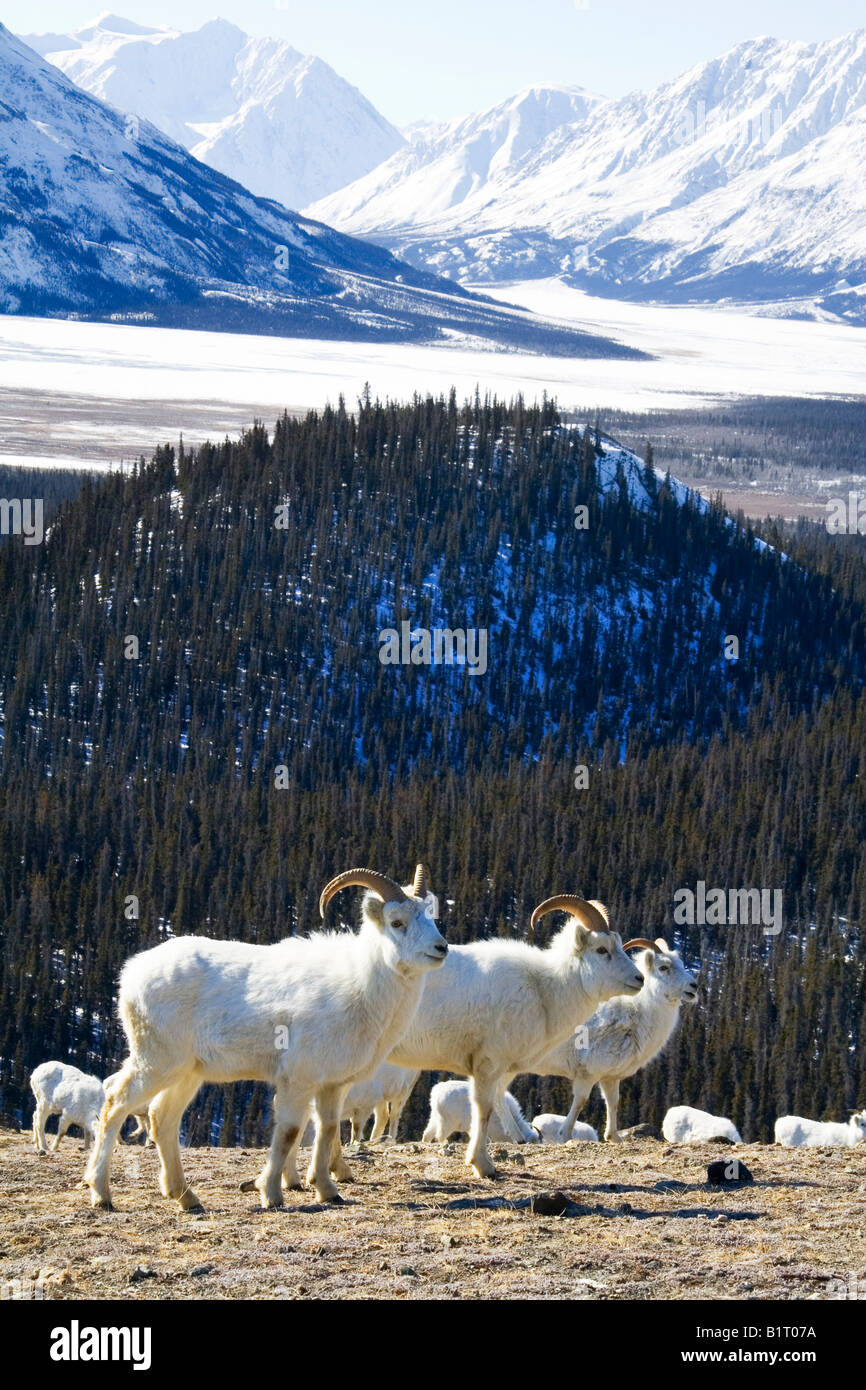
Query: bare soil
[416, 1224]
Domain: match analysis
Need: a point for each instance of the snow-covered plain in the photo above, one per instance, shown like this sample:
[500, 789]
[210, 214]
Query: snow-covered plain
[702, 356]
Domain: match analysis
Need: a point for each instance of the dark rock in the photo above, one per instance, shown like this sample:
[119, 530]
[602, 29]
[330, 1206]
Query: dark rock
[549, 1203]
[641, 1132]
[720, 1139]
[142, 1272]
[728, 1172]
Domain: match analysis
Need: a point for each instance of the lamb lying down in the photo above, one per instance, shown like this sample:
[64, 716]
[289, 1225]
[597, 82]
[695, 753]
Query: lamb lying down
[550, 1127]
[451, 1113]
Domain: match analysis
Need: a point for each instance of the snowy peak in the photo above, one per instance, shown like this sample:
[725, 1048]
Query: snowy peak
[285, 125]
[453, 164]
[108, 23]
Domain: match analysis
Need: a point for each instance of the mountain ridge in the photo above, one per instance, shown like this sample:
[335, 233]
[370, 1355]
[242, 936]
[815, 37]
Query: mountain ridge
[737, 180]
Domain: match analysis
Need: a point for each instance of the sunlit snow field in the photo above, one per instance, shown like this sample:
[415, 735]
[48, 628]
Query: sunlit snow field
[702, 355]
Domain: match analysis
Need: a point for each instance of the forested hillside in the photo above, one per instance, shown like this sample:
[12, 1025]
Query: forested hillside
[254, 744]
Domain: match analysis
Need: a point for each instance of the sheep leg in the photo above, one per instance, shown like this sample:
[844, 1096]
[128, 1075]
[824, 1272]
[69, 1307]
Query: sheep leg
[291, 1179]
[290, 1117]
[339, 1167]
[62, 1126]
[579, 1097]
[357, 1133]
[40, 1118]
[134, 1089]
[610, 1091]
[483, 1091]
[380, 1121]
[165, 1117]
[328, 1105]
[397, 1108]
[142, 1126]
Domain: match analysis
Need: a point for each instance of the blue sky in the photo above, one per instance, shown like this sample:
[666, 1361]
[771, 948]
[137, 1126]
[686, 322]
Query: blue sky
[454, 56]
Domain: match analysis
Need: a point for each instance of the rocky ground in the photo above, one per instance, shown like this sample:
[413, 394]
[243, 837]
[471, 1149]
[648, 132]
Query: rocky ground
[638, 1222]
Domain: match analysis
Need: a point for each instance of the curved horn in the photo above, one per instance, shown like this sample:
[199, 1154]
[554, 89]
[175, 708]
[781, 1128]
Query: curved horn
[386, 888]
[419, 884]
[585, 912]
[640, 941]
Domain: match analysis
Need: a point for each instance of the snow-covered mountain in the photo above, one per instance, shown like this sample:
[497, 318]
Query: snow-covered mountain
[459, 166]
[284, 125]
[105, 217]
[741, 179]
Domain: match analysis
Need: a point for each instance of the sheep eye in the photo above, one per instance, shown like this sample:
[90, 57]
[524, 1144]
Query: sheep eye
[602, 951]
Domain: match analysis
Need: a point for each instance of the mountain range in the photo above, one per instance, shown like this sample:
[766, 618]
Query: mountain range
[104, 216]
[741, 180]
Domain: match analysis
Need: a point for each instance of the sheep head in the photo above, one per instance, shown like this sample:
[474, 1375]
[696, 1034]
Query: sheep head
[404, 919]
[663, 966]
[587, 933]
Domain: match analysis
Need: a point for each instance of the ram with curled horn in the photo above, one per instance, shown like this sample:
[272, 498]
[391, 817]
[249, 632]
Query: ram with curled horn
[307, 1015]
[496, 1005]
[623, 1035]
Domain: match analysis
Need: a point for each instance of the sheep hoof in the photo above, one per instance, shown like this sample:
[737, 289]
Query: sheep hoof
[249, 1185]
[101, 1203]
[334, 1201]
[483, 1171]
[189, 1202]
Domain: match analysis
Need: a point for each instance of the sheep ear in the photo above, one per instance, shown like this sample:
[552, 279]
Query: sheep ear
[581, 936]
[374, 909]
[593, 902]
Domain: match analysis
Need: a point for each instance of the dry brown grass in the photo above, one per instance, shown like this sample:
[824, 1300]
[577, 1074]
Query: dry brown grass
[416, 1225]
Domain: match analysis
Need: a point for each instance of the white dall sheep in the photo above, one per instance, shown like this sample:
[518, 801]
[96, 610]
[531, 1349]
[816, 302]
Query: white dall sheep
[552, 1129]
[623, 1035]
[685, 1125]
[65, 1091]
[383, 1095]
[793, 1132]
[451, 1113]
[496, 1007]
[308, 1015]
